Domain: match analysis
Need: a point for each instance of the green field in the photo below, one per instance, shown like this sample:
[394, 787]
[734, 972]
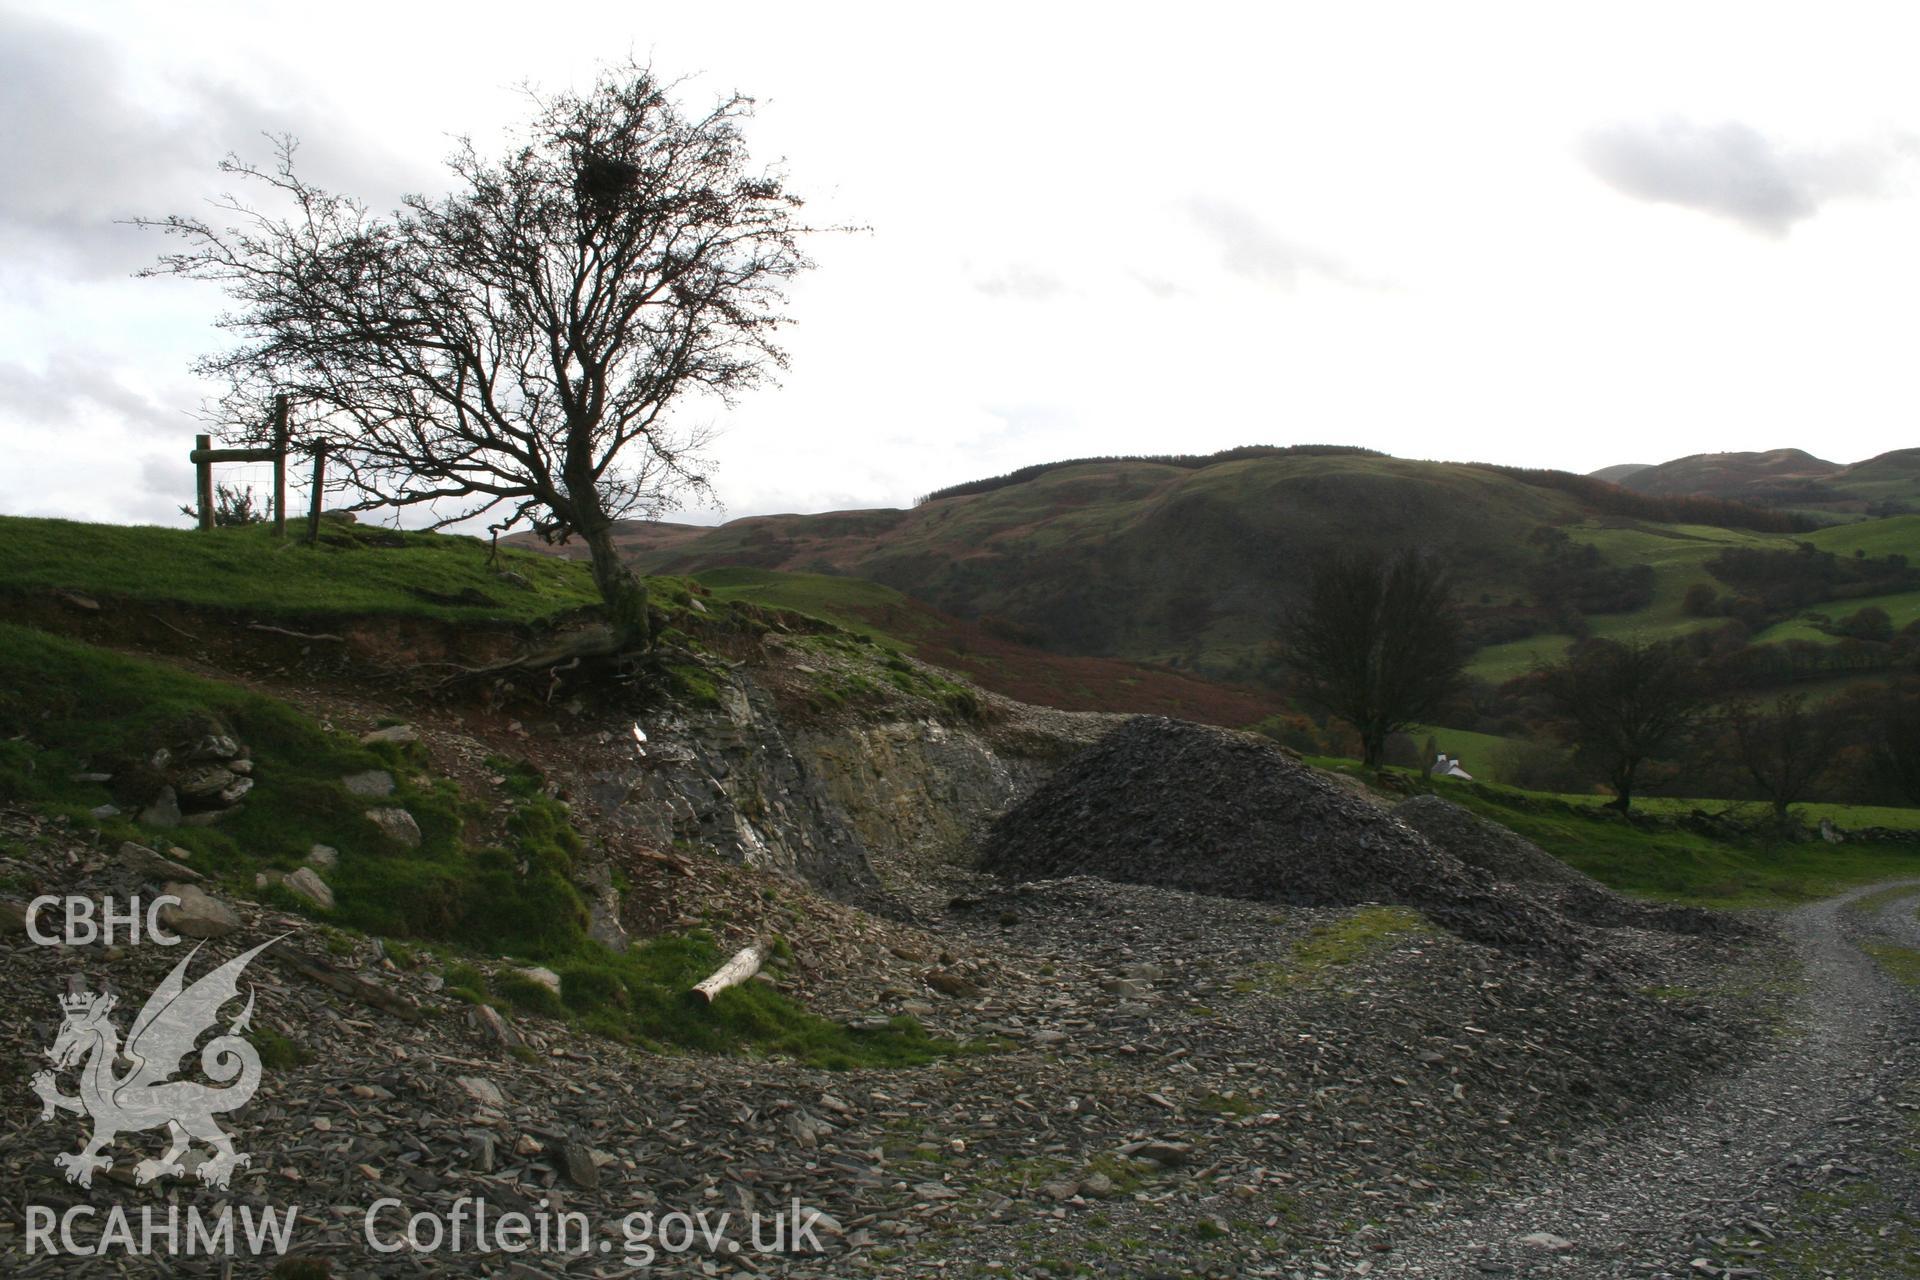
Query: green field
[1678, 555]
[1903, 608]
[1684, 866]
[1897, 535]
[1478, 753]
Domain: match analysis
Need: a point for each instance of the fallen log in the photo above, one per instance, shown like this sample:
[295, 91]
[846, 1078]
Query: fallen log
[745, 963]
[351, 985]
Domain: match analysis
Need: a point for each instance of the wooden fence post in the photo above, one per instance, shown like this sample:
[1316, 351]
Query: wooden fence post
[279, 466]
[203, 478]
[319, 480]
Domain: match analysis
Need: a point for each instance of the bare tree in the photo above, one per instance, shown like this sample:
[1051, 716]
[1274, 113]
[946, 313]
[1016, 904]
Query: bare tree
[514, 347]
[1622, 704]
[1377, 643]
[1785, 748]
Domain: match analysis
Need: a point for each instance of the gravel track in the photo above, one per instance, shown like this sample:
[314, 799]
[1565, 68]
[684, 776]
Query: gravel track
[1802, 1164]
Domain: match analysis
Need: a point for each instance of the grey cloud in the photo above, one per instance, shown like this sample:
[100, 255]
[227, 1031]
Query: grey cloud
[1027, 284]
[1251, 248]
[1731, 170]
[83, 151]
[1159, 286]
[74, 383]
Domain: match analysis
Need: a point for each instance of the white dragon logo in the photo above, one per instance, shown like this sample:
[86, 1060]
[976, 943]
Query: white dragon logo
[146, 1096]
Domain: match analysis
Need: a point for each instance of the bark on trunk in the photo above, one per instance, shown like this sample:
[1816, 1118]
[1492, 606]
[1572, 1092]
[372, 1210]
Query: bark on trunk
[620, 588]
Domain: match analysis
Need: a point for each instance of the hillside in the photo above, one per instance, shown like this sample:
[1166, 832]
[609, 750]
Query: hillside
[989, 658]
[1786, 478]
[1141, 560]
[1253, 1003]
[1196, 566]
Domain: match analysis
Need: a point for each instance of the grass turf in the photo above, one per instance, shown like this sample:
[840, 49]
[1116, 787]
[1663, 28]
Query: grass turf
[357, 569]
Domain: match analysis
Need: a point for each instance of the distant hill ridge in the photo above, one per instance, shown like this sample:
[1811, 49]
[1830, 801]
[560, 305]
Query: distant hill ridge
[1196, 562]
[1792, 479]
[1187, 461]
[1595, 492]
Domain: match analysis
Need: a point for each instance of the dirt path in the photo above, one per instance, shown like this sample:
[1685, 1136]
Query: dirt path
[1805, 1164]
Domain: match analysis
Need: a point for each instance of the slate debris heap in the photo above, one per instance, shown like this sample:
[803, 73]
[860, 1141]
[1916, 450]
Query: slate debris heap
[1513, 858]
[1187, 806]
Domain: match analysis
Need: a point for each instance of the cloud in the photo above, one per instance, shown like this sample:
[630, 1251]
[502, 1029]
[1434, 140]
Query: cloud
[78, 387]
[1159, 286]
[1731, 171]
[90, 144]
[1024, 283]
[1252, 249]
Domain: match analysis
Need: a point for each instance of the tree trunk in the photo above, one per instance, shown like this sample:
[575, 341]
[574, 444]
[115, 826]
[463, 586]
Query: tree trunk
[1622, 783]
[1373, 750]
[620, 588]
[745, 963]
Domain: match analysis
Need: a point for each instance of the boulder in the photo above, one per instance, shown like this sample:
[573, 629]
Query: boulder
[163, 811]
[199, 914]
[303, 884]
[374, 784]
[544, 976]
[200, 786]
[396, 825]
[483, 1091]
[150, 865]
[214, 746]
[400, 735]
[323, 857]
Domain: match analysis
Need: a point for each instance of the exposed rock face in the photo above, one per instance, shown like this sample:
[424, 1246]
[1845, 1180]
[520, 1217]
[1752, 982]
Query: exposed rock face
[817, 802]
[916, 786]
[1212, 811]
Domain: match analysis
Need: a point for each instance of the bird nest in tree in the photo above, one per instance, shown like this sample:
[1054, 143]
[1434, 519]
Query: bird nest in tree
[606, 180]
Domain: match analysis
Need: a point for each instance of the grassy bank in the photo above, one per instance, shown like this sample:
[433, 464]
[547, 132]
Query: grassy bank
[1666, 861]
[354, 570]
[475, 884]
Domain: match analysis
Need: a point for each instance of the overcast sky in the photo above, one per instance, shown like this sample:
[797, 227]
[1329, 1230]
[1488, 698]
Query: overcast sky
[1548, 235]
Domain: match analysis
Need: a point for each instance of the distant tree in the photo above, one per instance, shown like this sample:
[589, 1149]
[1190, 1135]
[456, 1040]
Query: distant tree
[515, 347]
[1700, 600]
[1893, 742]
[1623, 704]
[1377, 643]
[1869, 623]
[1785, 748]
